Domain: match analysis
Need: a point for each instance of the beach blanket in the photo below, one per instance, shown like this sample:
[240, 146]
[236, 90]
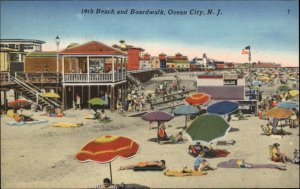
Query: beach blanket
[184, 172]
[148, 168]
[66, 125]
[237, 163]
[11, 123]
[89, 117]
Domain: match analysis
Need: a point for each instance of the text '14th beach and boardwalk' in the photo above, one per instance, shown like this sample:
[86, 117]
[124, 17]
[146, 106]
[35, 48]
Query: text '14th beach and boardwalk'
[193, 12]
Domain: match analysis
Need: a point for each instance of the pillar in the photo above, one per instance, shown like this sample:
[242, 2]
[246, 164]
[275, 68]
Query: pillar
[89, 106]
[63, 97]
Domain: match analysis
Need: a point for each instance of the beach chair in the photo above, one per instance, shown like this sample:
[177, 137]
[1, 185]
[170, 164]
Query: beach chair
[266, 130]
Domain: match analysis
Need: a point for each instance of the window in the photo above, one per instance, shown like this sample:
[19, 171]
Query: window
[230, 82]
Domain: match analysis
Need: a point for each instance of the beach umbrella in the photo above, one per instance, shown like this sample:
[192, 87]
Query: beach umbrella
[186, 110]
[207, 128]
[257, 83]
[284, 88]
[157, 116]
[288, 105]
[279, 113]
[198, 99]
[105, 149]
[223, 107]
[50, 94]
[20, 103]
[96, 101]
[265, 78]
[294, 92]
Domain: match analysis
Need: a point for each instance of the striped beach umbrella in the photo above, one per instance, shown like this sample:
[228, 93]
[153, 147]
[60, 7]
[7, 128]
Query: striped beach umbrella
[105, 149]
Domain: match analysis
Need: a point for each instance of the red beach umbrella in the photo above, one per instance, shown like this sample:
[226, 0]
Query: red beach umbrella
[198, 99]
[19, 103]
[105, 149]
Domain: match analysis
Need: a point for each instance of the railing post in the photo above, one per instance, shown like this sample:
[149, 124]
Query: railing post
[8, 76]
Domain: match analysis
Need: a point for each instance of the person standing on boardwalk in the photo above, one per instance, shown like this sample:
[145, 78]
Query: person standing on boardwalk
[78, 102]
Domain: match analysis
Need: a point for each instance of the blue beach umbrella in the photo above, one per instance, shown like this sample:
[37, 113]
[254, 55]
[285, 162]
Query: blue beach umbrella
[223, 107]
[186, 110]
[288, 105]
[257, 83]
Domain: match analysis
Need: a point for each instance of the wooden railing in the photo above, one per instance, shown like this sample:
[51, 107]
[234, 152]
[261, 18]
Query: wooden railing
[93, 77]
[43, 77]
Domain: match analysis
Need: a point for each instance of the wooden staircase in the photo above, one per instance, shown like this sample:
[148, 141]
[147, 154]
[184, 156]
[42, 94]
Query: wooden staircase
[133, 79]
[33, 93]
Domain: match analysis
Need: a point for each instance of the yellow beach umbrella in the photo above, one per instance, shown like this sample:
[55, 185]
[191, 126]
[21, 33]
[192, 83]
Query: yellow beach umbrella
[294, 92]
[50, 94]
[264, 78]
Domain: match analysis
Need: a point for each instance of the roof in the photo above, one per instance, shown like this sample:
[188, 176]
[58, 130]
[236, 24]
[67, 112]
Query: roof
[224, 92]
[42, 54]
[22, 40]
[177, 58]
[92, 48]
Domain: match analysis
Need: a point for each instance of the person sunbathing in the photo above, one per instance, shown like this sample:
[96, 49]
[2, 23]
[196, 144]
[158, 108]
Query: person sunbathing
[103, 115]
[22, 118]
[173, 139]
[201, 164]
[161, 163]
[209, 152]
[278, 156]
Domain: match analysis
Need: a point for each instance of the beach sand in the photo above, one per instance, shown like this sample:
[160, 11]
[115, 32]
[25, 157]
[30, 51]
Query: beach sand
[42, 156]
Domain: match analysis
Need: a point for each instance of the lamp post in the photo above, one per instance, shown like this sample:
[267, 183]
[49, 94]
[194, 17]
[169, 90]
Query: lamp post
[57, 41]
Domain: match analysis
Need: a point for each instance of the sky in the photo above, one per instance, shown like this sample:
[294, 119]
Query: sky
[271, 27]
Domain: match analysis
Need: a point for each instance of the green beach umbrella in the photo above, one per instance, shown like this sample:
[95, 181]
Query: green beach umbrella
[208, 128]
[284, 88]
[96, 101]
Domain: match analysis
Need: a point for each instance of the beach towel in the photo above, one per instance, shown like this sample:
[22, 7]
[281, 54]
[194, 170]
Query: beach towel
[66, 125]
[89, 117]
[148, 168]
[238, 163]
[11, 123]
[184, 172]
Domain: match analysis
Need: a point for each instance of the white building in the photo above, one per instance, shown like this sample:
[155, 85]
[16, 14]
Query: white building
[222, 86]
[23, 45]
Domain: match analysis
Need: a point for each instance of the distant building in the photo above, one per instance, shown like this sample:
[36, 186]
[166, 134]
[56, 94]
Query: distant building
[154, 61]
[265, 65]
[178, 61]
[133, 54]
[199, 62]
[145, 62]
[222, 86]
[162, 60]
[14, 50]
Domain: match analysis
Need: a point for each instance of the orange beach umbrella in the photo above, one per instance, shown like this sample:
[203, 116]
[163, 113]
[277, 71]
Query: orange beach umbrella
[198, 99]
[279, 113]
[105, 149]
